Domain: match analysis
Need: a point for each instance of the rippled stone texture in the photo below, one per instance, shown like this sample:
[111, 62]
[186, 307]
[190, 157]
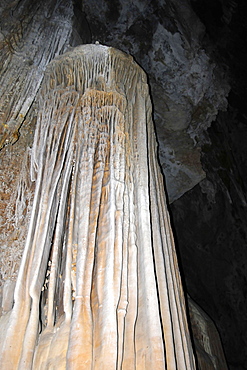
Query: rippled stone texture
[99, 285]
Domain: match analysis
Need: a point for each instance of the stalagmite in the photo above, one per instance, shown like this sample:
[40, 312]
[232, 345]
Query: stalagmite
[99, 285]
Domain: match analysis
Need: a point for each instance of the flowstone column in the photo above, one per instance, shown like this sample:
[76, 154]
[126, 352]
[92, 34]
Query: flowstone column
[99, 285]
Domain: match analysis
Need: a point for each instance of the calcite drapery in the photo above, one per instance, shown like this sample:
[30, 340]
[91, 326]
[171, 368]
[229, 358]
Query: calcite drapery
[99, 286]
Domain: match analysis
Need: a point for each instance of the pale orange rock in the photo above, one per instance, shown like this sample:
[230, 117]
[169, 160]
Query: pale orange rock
[99, 285]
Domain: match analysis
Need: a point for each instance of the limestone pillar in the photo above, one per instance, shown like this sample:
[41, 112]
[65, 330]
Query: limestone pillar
[99, 285]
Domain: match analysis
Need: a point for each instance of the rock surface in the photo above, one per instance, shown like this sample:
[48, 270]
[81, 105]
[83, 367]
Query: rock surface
[26, 48]
[185, 52]
[187, 87]
[209, 353]
[98, 285]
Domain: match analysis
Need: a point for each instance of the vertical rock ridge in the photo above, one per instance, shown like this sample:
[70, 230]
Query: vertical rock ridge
[25, 52]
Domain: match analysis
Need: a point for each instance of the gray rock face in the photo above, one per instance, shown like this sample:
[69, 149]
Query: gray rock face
[26, 49]
[210, 220]
[187, 88]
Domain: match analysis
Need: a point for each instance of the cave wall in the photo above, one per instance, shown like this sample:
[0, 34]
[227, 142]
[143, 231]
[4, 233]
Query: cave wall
[210, 220]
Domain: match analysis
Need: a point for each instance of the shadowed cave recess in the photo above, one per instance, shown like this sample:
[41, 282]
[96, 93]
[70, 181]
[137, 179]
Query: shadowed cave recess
[194, 54]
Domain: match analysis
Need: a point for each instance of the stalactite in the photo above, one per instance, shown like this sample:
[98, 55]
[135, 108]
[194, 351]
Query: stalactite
[98, 286]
